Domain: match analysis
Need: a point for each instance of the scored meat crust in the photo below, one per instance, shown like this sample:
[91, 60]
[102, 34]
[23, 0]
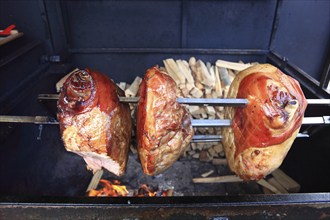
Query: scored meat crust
[163, 126]
[93, 123]
[262, 133]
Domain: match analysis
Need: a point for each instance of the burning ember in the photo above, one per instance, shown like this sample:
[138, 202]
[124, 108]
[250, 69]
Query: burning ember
[109, 189]
[115, 190]
[145, 191]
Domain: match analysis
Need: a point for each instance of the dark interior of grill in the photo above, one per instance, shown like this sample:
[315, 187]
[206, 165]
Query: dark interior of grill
[124, 38]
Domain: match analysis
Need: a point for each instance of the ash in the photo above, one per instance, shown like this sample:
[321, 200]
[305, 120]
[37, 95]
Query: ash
[179, 177]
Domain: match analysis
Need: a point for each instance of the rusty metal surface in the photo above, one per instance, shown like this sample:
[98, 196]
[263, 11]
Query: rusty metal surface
[196, 211]
[290, 206]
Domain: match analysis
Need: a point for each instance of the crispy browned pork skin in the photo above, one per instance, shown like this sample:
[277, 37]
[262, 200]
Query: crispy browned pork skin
[262, 132]
[93, 123]
[163, 126]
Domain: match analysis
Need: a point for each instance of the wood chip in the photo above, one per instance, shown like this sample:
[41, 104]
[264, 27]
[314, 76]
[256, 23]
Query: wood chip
[193, 109]
[218, 148]
[190, 86]
[224, 77]
[269, 186]
[232, 65]
[210, 110]
[276, 184]
[212, 152]
[287, 182]
[185, 91]
[183, 66]
[218, 87]
[172, 70]
[122, 86]
[200, 146]
[197, 93]
[193, 146]
[133, 149]
[191, 152]
[196, 155]
[218, 179]
[218, 161]
[95, 180]
[206, 78]
[204, 156]
[206, 174]
[134, 88]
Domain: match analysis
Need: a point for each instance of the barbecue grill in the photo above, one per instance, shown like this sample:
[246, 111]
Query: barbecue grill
[40, 179]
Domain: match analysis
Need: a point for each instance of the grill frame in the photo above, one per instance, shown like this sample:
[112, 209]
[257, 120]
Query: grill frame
[52, 52]
[292, 206]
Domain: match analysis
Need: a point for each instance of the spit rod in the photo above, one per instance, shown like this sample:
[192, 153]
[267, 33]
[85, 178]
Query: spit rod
[217, 138]
[195, 101]
[321, 120]
[52, 121]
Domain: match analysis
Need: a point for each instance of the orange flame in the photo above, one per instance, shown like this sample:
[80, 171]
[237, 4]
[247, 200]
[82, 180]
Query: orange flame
[145, 191]
[109, 189]
[115, 189]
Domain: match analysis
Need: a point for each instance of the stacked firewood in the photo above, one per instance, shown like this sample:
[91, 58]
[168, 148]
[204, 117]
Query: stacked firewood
[198, 79]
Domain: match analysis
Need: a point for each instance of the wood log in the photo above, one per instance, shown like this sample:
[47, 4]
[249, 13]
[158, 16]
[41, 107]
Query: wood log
[192, 152]
[194, 109]
[212, 152]
[204, 156]
[218, 179]
[208, 173]
[192, 64]
[231, 75]
[224, 76]
[218, 87]
[197, 93]
[218, 148]
[134, 88]
[269, 186]
[208, 90]
[232, 65]
[276, 184]
[174, 66]
[169, 192]
[196, 155]
[207, 78]
[200, 146]
[190, 86]
[171, 72]
[199, 85]
[287, 182]
[219, 161]
[185, 92]
[212, 74]
[266, 191]
[122, 85]
[220, 115]
[204, 115]
[193, 146]
[133, 149]
[210, 110]
[185, 70]
[95, 180]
